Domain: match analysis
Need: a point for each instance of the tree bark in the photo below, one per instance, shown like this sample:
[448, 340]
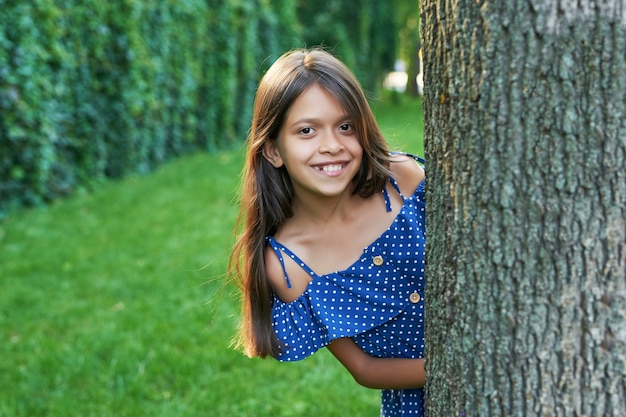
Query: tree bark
[525, 139]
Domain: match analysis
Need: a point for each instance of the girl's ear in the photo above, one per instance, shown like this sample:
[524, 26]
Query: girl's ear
[270, 152]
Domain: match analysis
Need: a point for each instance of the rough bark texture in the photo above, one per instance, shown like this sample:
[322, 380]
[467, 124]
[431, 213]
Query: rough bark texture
[525, 114]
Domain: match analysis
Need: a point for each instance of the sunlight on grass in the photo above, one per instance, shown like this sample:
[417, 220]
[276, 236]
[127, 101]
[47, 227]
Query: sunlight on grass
[402, 122]
[113, 303]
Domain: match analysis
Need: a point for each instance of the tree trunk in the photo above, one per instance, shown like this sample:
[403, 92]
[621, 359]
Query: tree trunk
[413, 70]
[525, 118]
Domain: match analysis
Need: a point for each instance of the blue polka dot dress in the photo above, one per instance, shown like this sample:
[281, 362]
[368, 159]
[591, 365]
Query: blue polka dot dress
[378, 302]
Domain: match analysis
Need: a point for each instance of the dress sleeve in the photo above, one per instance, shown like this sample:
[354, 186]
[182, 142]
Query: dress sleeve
[301, 333]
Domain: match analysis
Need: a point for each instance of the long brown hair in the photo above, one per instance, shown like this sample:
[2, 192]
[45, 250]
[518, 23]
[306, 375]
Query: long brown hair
[267, 192]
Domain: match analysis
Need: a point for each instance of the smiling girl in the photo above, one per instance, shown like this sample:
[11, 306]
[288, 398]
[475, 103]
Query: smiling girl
[331, 240]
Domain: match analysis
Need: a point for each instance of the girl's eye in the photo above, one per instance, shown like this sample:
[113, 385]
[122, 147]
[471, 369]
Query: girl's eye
[306, 130]
[346, 127]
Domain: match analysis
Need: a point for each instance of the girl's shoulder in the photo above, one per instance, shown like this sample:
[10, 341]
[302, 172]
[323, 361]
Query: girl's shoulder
[407, 172]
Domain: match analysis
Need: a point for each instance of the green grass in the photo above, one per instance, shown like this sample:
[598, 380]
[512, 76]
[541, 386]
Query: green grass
[402, 122]
[113, 304]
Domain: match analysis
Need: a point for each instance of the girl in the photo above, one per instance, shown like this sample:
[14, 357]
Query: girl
[319, 186]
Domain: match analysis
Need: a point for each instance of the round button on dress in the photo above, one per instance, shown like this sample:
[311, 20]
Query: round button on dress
[415, 298]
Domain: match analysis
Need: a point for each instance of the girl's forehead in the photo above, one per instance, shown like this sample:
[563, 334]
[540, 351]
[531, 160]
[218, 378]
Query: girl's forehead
[317, 99]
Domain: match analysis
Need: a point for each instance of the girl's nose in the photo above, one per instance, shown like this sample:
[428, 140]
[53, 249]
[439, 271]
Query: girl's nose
[330, 143]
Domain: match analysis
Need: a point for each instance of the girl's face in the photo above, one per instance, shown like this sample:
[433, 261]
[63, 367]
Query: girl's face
[318, 145]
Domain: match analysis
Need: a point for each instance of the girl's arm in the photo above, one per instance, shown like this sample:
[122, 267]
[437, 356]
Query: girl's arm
[379, 373]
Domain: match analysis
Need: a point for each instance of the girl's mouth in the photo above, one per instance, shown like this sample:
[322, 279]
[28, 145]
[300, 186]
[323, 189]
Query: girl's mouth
[331, 168]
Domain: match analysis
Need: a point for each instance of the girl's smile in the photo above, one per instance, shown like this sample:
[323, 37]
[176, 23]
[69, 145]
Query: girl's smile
[332, 169]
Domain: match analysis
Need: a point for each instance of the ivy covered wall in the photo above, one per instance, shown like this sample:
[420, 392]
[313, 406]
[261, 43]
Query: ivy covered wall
[91, 89]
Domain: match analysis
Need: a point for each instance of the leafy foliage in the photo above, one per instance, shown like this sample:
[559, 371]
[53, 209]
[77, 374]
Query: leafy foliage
[91, 90]
[362, 33]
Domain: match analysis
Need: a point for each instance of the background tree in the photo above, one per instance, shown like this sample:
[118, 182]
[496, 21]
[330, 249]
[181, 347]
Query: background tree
[525, 105]
[407, 14]
[363, 33]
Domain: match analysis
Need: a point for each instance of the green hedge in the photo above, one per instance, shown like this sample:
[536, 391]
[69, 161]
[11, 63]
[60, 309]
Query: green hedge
[92, 89]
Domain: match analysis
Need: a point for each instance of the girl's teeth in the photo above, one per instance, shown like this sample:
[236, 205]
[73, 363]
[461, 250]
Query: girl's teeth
[331, 168]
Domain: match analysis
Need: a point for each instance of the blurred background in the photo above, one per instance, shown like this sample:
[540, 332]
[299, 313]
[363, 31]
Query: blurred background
[121, 132]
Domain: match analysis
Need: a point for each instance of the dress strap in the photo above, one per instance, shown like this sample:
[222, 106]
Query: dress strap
[395, 185]
[387, 199]
[279, 249]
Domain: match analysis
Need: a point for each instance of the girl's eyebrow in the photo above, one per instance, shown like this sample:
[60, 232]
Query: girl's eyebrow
[306, 120]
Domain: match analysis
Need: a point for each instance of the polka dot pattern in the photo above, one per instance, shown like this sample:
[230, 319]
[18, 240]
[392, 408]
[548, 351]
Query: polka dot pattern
[370, 302]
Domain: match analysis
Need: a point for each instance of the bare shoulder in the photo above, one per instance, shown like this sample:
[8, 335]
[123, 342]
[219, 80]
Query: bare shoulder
[407, 172]
[274, 272]
[278, 281]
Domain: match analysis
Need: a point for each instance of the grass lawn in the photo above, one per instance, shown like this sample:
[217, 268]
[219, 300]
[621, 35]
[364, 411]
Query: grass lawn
[113, 303]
